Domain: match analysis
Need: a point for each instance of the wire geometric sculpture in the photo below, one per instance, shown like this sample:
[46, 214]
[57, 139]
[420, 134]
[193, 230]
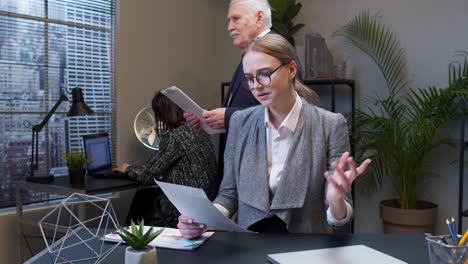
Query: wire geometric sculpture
[83, 237]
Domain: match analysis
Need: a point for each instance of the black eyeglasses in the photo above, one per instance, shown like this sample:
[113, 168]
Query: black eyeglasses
[263, 78]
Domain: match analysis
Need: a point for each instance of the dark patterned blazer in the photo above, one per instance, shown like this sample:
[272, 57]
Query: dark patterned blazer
[185, 157]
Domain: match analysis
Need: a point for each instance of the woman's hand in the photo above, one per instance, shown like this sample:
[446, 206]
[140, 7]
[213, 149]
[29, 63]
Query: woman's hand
[189, 229]
[121, 168]
[339, 183]
[192, 120]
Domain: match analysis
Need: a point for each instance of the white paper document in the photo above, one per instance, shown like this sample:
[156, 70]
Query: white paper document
[188, 105]
[169, 238]
[194, 203]
[358, 254]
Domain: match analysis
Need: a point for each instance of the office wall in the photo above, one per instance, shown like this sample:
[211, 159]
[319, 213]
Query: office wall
[430, 31]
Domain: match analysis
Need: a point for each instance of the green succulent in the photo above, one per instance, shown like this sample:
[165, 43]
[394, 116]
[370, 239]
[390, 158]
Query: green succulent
[282, 14]
[136, 238]
[76, 160]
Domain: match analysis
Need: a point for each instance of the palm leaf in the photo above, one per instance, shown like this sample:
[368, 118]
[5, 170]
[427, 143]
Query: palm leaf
[458, 75]
[370, 35]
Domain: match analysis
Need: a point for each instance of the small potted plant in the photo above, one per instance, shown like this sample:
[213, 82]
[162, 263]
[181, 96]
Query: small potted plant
[138, 251]
[77, 164]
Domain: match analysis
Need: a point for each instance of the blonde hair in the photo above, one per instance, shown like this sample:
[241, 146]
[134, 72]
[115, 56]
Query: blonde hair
[278, 47]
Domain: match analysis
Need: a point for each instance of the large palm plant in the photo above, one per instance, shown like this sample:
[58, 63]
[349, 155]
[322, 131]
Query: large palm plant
[398, 131]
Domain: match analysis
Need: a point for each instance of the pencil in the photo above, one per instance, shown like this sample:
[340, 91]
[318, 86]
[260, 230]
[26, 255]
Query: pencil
[463, 239]
[451, 231]
[455, 233]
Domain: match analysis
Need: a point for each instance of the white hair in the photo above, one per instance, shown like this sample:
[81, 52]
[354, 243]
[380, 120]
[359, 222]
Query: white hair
[254, 6]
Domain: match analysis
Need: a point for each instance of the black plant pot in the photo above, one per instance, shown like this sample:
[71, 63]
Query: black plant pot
[77, 176]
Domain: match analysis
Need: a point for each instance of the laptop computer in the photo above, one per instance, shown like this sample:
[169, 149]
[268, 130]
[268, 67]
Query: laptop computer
[97, 150]
[356, 254]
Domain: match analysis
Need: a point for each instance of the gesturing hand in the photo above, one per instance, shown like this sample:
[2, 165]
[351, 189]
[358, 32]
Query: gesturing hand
[339, 183]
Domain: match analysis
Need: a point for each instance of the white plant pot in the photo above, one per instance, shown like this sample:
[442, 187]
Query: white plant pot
[145, 256]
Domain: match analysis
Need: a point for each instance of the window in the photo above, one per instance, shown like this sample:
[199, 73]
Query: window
[48, 47]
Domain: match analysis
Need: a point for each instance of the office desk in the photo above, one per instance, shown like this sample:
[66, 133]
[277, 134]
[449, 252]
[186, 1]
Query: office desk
[62, 186]
[254, 248]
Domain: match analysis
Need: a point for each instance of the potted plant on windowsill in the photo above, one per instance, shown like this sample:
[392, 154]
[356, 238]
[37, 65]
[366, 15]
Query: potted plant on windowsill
[77, 164]
[399, 131]
[138, 251]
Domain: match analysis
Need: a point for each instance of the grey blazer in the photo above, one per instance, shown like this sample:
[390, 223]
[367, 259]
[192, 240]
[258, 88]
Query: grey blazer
[321, 137]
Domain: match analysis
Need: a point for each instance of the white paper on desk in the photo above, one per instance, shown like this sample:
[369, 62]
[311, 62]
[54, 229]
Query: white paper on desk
[188, 105]
[193, 203]
[169, 238]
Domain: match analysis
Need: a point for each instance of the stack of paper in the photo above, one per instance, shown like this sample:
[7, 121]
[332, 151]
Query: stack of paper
[169, 238]
[194, 204]
[188, 105]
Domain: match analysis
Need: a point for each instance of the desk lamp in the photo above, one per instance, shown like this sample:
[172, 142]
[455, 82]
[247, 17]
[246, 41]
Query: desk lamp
[77, 108]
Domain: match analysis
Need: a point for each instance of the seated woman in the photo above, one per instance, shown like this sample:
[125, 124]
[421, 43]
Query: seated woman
[185, 157]
[287, 165]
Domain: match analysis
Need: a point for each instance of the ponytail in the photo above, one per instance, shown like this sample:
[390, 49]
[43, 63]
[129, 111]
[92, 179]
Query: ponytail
[305, 92]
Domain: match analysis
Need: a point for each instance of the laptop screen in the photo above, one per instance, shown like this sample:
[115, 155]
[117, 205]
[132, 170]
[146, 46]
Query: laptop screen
[98, 151]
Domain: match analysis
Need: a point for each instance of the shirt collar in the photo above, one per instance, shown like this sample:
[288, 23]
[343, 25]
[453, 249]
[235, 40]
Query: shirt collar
[291, 119]
[263, 33]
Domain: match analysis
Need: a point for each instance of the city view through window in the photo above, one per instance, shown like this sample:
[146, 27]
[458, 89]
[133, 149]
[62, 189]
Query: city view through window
[48, 47]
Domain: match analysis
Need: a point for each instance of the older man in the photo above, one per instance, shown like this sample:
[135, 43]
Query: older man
[247, 20]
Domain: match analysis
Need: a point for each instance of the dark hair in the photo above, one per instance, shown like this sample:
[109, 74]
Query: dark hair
[277, 46]
[167, 114]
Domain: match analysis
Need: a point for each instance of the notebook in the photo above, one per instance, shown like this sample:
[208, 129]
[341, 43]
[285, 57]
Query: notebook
[169, 238]
[358, 254]
[97, 150]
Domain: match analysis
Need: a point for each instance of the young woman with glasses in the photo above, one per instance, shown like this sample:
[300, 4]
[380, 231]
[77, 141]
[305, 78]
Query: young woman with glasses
[287, 162]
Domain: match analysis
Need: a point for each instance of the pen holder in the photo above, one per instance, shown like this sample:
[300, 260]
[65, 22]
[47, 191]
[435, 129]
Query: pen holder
[442, 250]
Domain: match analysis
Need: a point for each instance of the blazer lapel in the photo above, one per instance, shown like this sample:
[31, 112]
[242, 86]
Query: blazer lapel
[292, 188]
[253, 185]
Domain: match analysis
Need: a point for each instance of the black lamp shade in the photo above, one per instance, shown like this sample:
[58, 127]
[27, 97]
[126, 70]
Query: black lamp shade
[78, 106]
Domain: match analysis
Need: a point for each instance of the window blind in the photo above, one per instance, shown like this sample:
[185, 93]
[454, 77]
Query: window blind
[48, 47]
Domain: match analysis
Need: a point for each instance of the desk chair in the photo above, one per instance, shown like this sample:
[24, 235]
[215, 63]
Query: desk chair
[146, 205]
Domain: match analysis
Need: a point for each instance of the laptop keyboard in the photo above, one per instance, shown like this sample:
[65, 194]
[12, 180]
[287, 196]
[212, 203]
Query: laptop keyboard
[110, 175]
